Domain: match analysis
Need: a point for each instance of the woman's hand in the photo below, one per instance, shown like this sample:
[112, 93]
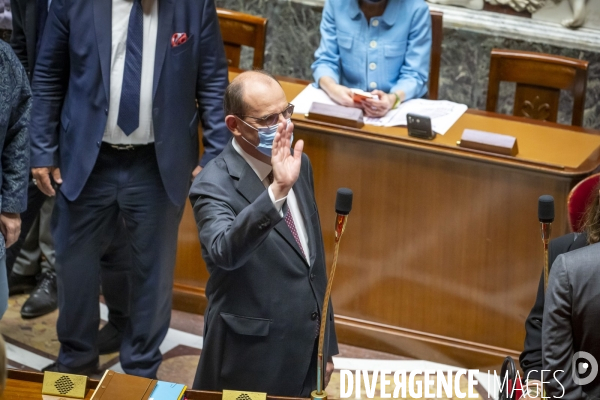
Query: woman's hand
[338, 93]
[378, 107]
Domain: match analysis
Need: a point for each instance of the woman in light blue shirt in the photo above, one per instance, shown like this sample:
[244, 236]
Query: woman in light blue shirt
[380, 46]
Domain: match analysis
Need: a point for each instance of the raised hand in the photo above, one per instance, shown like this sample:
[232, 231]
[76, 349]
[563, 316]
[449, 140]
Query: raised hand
[286, 166]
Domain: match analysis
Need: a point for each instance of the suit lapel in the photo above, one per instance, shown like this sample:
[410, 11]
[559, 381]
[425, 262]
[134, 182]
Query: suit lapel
[250, 186]
[163, 38]
[285, 232]
[247, 183]
[102, 13]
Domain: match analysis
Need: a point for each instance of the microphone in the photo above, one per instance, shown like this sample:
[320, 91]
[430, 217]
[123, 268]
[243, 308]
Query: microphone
[546, 217]
[343, 206]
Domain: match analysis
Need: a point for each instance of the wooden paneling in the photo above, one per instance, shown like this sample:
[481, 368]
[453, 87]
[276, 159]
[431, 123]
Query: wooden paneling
[437, 36]
[442, 254]
[435, 244]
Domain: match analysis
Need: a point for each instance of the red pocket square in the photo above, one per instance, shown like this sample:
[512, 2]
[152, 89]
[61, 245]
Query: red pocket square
[178, 39]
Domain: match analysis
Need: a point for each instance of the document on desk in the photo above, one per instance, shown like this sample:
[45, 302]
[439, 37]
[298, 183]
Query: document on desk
[443, 113]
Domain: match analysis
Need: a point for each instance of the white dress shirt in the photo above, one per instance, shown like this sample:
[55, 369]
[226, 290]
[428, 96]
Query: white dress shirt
[262, 170]
[120, 23]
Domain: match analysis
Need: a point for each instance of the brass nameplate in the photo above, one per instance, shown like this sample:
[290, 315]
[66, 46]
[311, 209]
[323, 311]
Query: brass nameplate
[489, 142]
[235, 395]
[64, 385]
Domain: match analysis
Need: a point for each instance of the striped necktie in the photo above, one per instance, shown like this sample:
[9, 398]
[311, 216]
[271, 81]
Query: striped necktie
[289, 220]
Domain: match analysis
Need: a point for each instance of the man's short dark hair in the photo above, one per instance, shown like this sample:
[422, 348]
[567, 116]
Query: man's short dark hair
[233, 101]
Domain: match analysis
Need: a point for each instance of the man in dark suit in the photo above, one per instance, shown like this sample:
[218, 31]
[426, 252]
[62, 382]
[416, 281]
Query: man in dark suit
[119, 87]
[261, 240]
[29, 17]
[28, 272]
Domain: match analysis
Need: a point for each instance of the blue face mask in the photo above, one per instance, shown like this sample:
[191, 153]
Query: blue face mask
[266, 136]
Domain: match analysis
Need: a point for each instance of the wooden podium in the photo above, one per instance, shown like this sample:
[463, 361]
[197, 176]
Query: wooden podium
[23, 385]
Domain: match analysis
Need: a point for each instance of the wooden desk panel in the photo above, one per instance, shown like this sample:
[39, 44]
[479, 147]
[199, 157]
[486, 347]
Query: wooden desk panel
[434, 244]
[442, 255]
[23, 385]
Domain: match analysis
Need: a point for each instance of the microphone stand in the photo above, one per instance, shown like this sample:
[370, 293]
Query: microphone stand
[320, 394]
[546, 229]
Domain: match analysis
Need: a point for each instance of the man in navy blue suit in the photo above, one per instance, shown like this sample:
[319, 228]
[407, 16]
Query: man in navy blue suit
[119, 88]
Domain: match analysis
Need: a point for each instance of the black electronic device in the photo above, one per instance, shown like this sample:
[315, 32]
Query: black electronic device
[419, 126]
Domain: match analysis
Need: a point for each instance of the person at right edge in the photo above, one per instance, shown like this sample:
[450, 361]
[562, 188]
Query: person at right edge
[261, 240]
[531, 357]
[570, 328]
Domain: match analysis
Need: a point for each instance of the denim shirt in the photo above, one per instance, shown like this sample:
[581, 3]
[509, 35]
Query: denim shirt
[391, 53]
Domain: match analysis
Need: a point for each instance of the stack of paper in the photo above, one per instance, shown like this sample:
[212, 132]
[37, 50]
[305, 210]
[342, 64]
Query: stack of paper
[443, 113]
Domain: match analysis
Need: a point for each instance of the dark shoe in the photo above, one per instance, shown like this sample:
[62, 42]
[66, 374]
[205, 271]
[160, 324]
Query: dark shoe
[18, 284]
[89, 369]
[43, 298]
[109, 339]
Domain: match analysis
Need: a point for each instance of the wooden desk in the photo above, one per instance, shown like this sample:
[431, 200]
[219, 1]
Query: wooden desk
[22, 385]
[442, 255]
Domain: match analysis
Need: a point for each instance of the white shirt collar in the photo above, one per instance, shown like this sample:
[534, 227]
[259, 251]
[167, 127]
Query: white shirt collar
[260, 168]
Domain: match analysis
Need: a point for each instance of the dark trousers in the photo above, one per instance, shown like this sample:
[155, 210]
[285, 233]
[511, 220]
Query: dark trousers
[123, 183]
[115, 261]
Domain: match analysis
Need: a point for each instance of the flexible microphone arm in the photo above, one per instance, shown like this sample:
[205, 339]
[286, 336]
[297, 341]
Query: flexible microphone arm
[546, 217]
[343, 206]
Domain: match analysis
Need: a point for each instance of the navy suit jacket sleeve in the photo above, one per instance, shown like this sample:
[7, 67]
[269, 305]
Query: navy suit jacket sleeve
[49, 86]
[211, 84]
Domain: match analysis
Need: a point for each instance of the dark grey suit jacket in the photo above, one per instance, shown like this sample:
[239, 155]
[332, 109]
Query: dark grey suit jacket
[572, 321]
[263, 297]
[24, 34]
[531, 357]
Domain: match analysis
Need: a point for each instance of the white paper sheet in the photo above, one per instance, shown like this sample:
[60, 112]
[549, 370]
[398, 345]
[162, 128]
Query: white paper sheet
[310, 94]
[443, 113]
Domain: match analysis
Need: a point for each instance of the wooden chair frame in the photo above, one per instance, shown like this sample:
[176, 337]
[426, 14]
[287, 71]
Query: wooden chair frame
[437, 35]
[239, 29]
[538, 73]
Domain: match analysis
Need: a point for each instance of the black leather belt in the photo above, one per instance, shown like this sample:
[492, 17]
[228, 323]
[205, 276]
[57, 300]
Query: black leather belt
[110, 146]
